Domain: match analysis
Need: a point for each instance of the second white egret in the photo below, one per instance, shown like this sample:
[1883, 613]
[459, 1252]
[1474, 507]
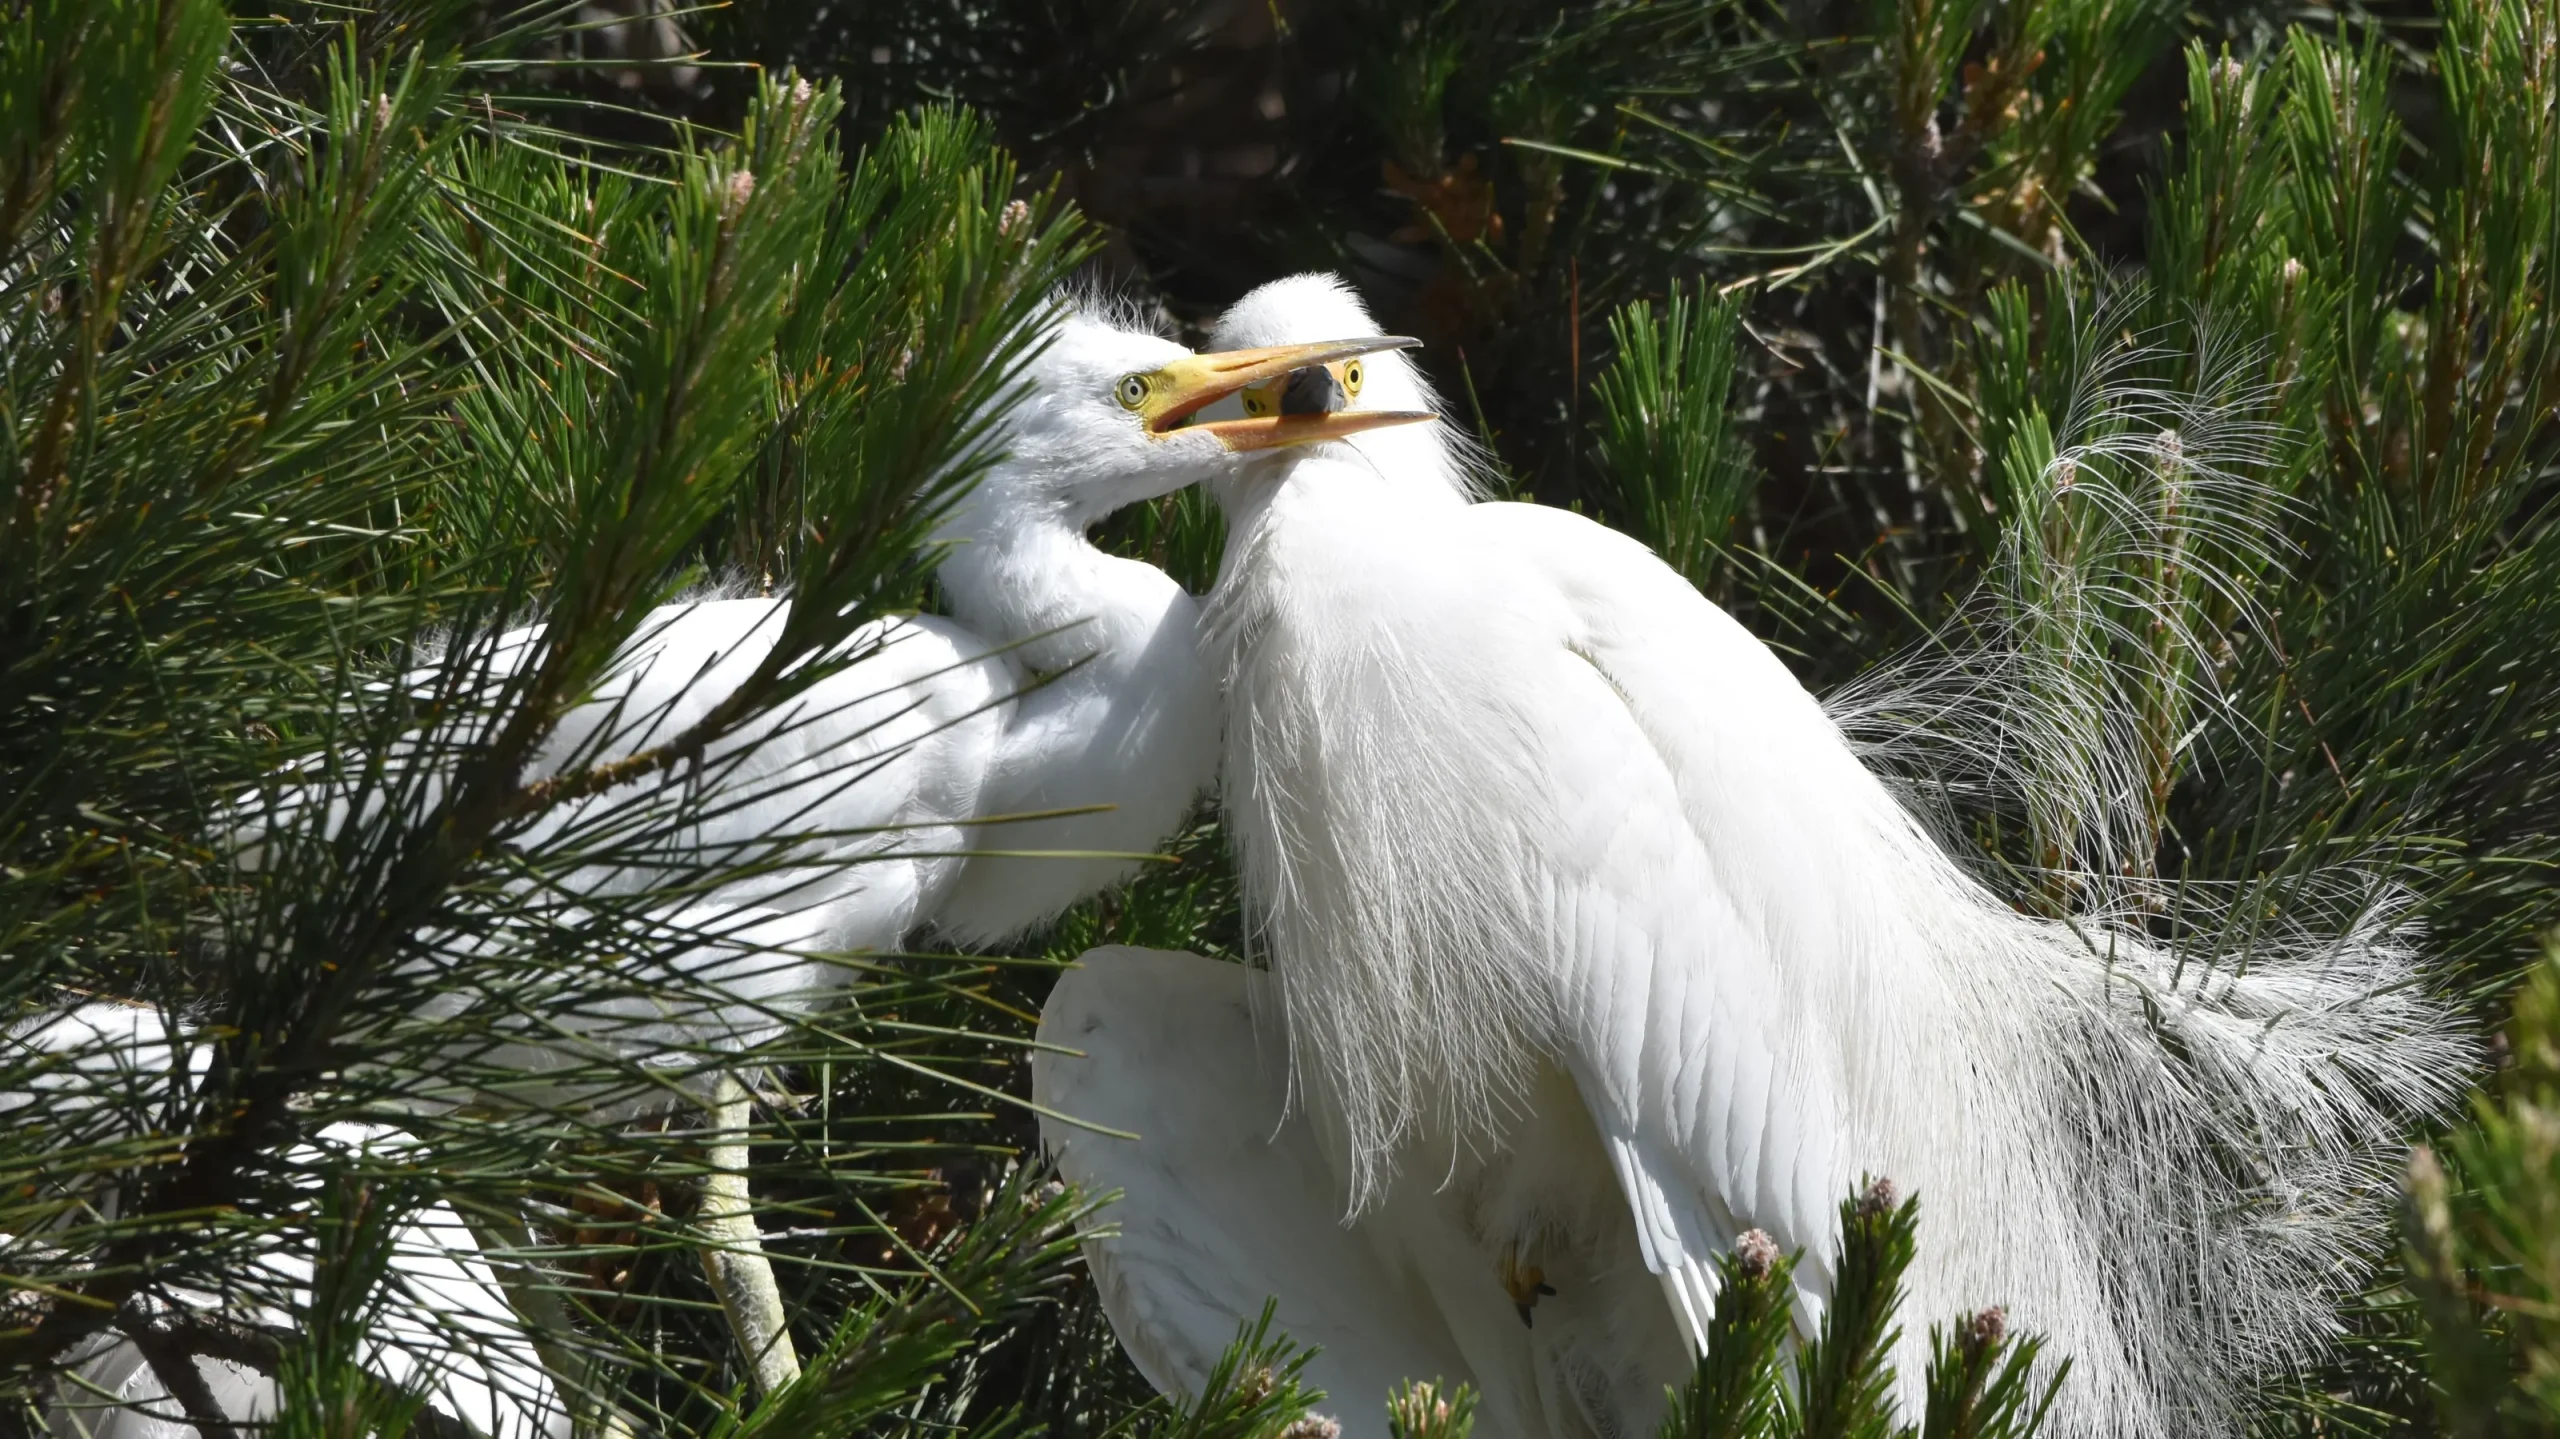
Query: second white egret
[1593, 945]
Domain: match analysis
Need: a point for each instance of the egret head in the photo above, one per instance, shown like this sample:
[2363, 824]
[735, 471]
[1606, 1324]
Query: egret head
[1113, 417]
[1313, 306]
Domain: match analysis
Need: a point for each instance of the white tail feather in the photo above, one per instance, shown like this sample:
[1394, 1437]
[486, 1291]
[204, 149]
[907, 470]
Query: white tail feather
[2235, 1065]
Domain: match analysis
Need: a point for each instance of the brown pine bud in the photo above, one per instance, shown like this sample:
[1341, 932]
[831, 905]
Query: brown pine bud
[1756, 1253]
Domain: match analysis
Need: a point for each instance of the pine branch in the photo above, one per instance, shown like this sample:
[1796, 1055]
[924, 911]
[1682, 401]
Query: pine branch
[1736, 1392]
[1843, 1386]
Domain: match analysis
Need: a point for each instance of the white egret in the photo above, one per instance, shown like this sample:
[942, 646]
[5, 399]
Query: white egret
[1065, 678]
[444, 1325]
[1592, 945]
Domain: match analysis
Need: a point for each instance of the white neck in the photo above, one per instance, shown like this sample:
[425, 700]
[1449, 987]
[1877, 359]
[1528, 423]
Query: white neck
[1116, 748]
[1030, 579]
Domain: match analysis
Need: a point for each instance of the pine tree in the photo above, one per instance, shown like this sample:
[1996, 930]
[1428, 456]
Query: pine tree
[338, 344]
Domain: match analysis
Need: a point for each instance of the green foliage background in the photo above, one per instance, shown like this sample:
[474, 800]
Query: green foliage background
[338, 337]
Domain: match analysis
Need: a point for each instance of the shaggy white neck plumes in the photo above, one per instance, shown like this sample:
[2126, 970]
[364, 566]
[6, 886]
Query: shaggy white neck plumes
[1386, 1050]
[1397, 931]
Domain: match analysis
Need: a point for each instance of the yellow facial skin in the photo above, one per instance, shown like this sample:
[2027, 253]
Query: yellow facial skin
[1263, 400]
[1169, 397]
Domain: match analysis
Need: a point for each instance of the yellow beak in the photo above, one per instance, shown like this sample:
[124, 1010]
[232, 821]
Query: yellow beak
[1189, 385]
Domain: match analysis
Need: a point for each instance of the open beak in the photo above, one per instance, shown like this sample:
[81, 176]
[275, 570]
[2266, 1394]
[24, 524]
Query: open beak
[1190, 385]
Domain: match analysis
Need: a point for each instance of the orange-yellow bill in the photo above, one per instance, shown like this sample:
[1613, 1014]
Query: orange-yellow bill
[1193, 383]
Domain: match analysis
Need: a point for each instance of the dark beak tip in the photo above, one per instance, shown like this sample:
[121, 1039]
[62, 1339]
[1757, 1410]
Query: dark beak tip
[1312, 391]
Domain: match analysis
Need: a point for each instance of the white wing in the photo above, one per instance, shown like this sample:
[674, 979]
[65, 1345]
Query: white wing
[1722, 978]
[852, 795]
[1226, 1200]
[1470, 850]
[444, 1328]
[878, 763]
[1759, 958]
[445, 1325]
[685, 989]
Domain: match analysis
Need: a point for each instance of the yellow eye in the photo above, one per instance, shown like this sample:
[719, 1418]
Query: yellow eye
[1351, 376]
[1258, 400]
[1132, 391]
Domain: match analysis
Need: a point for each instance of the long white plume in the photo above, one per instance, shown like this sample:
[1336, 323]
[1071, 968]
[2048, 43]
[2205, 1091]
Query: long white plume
[2232, 1066]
